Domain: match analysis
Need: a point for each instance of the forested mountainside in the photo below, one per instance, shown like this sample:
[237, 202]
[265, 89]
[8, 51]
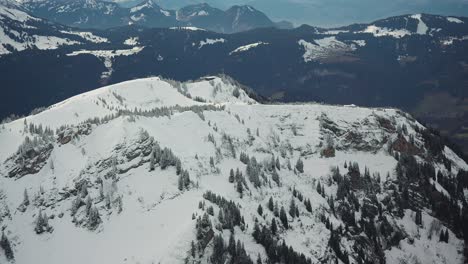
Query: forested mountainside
[159, 171]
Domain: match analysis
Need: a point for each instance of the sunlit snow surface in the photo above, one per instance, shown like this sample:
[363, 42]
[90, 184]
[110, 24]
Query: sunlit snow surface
[156, 223]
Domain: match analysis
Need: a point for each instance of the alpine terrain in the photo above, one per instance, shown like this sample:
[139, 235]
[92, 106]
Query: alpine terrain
[416, 62]
[159, 171]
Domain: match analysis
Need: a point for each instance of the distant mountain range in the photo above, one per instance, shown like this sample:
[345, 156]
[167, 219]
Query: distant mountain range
[415, 62]
[101, 15]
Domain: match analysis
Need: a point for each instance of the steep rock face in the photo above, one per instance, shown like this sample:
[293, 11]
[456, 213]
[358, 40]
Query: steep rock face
[199, 171]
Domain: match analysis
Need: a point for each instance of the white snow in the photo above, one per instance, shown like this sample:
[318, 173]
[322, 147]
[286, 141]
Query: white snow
[87, 36]
[40, 42]
[360, 43]
[455, 20]
[107, 56]
[133, 41]
[188, 28]
[155, 225]
[449, 41]
[422, 27]
[210, 42]
[335, 32]
[324, 48]
[247, 47]
[380, 32]
[15, 14]
[165, 12]
[426, 247]
[137, 17]
[199, 13]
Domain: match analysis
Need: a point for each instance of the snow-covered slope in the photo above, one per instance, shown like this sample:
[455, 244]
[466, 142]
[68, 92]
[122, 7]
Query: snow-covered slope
[125, 174]
[20, 31]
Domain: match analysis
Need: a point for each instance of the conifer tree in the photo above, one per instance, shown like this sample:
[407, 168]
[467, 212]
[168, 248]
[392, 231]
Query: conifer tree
[276, 209]
[231, 176]
[240, 188]
[300, 165]
[319, 188]
[232, 245]
[283, 217]
[260, 210]
[193, 250]
[6, 246]
[25, 198]
[292, 208]
[271, 205]
[94, 219]
[274, 227]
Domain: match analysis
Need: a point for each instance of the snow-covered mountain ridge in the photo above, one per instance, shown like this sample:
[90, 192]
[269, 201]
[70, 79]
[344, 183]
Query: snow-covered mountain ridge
[143, 172]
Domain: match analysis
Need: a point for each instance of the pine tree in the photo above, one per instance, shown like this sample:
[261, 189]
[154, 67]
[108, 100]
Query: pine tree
[42, 223]
[6, 246]
[89, 202]
[442, 236]
[210, 210]
[260, 210]
[94, 219]
[418, 217]
[26, 198]
[240, 188]
[259, 259]
[232, 245]
[231, 176]
[283, 217]
[278, 167]
[218, 250]
[319, 188]
[274, 227]
[271, 205]
[193, 250]
[180, 182]
[308, 206]
[276, 210]
[300, 165]
[292, 208]
[178, 167]
[151, 166]
[275, 177]
[186, 179]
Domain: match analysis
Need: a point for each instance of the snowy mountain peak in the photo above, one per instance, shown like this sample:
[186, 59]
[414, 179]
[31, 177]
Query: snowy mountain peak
[144, 95]
[170, 172]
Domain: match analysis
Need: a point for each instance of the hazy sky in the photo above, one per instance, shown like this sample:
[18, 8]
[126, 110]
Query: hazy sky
[337, 12]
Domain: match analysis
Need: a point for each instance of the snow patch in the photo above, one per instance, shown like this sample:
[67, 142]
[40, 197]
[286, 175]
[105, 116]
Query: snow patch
[188, 28]
[248, 47]
[382, 32]
[87, 36]
[454, 20]
[324, 48]
[422, 27]
[131, 41]
[107, 57]
[210, 42]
